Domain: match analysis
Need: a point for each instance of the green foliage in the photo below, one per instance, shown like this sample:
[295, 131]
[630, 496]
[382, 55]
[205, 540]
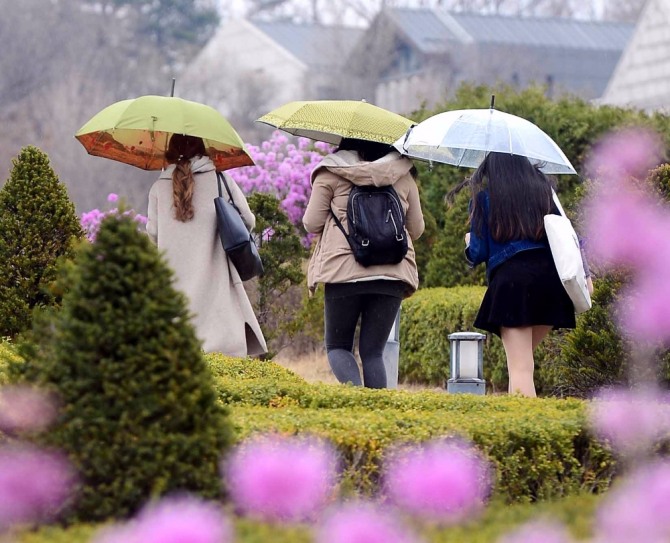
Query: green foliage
[282, 256]
[576, 513]
[139, 416]
[426, 320]
[38, 225]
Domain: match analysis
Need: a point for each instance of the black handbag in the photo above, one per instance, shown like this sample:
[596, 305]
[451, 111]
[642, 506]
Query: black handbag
[237, 241]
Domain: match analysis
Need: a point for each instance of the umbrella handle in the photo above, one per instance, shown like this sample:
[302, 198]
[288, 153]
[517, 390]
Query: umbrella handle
[404, 142]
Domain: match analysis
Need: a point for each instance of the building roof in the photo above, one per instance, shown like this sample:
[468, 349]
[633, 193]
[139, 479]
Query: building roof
[317, 46]
[431, 29]
[642, 77]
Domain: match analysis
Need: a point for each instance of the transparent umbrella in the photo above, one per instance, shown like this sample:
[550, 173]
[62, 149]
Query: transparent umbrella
[463, 138]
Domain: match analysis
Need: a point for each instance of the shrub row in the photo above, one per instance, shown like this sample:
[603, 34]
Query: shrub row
[576, 513]
[540, 448]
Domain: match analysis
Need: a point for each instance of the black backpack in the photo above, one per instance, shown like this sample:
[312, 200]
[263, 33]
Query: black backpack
[377, 225]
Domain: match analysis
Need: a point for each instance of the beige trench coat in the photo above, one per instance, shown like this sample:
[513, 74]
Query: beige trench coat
[332, 260]
[223, 317]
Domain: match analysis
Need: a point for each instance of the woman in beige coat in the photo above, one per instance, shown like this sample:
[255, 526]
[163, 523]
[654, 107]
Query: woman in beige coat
[182, 223]
[353, 291]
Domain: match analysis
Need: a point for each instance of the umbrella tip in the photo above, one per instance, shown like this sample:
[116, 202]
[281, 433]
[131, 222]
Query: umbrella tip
[493, 100]
[172, 90]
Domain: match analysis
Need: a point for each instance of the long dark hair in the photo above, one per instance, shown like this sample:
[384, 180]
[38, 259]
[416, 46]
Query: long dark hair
[181, 149]
[369, 151]
[519, 197]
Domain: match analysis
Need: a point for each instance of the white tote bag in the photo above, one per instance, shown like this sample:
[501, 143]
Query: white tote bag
[567, 255]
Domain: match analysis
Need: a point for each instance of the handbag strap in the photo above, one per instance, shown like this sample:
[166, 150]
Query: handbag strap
[222, 178]
[557, 202]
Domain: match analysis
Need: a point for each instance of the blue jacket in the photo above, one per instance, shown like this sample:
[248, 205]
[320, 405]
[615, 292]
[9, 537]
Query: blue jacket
[486, 249]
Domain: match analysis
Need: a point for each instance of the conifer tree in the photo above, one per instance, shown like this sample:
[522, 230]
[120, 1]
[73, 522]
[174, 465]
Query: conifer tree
[140, 417]
[38, 224]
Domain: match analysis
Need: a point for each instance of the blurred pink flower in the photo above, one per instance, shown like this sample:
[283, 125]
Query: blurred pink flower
[34, 484]
[362, 523]
[538, 532]
[177, 519]
[279, 478]
[644, 310]
[638, 508]
[444, 480]
[631, 421]
[624, 227]
[111, 197]
[25, 409]
[627, 153]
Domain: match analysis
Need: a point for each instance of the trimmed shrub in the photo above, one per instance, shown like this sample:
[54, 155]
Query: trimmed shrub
[38, 225]
[540, 447]
[139, 416]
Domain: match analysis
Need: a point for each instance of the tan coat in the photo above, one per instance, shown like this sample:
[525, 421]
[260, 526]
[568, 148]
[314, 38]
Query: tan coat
[222, 314]
[332, 260]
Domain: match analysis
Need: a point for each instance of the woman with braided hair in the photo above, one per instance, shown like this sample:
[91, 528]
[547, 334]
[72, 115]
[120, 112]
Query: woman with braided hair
[182, 223]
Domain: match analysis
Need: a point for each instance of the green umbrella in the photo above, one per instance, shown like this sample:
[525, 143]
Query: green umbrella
[332, 120]
[137, 132]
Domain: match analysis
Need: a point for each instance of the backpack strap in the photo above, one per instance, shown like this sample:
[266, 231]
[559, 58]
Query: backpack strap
[339, 224]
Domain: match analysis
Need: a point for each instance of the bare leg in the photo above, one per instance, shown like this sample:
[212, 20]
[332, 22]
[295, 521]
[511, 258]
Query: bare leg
[539, 333]
[518, 344]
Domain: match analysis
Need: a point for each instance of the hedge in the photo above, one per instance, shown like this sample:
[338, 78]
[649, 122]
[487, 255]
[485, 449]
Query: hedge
[540, 447]
[498, 519]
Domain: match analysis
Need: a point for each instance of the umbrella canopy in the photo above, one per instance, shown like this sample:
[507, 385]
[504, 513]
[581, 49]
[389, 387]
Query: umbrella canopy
[332, 120]
[463, 138]
[137, 132]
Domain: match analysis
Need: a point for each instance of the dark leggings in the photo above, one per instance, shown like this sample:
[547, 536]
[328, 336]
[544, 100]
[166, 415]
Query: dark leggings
[377, 313]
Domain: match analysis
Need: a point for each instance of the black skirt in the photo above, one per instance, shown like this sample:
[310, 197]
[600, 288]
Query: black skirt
[525, 291]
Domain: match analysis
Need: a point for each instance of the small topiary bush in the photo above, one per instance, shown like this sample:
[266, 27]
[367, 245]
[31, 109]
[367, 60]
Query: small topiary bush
[139, 415]
[38, 225]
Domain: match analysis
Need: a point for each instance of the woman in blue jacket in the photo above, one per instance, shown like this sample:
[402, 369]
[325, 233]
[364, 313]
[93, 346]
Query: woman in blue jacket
[525, 298]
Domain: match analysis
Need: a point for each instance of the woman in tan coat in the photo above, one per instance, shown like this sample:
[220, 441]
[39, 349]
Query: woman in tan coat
[353, 291]
[182, 222]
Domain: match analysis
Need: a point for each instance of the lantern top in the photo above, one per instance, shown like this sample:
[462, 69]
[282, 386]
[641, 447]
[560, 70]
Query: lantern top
[466, 336]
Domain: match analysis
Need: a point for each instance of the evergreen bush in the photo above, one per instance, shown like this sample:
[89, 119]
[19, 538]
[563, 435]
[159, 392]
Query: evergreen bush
[139, 415]
[38, 225]
[282, 254]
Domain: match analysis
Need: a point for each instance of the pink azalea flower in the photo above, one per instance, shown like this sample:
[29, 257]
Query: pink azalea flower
[638, 508]
[631, 421]
[624, 154]
[444, 480]
[177, 519]
[538, 532]
[112, 197]
[283, 169]
[362, 523]
[34, 484]
[624, 228]
[279, 478]
[25, 409]
[644, 309]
